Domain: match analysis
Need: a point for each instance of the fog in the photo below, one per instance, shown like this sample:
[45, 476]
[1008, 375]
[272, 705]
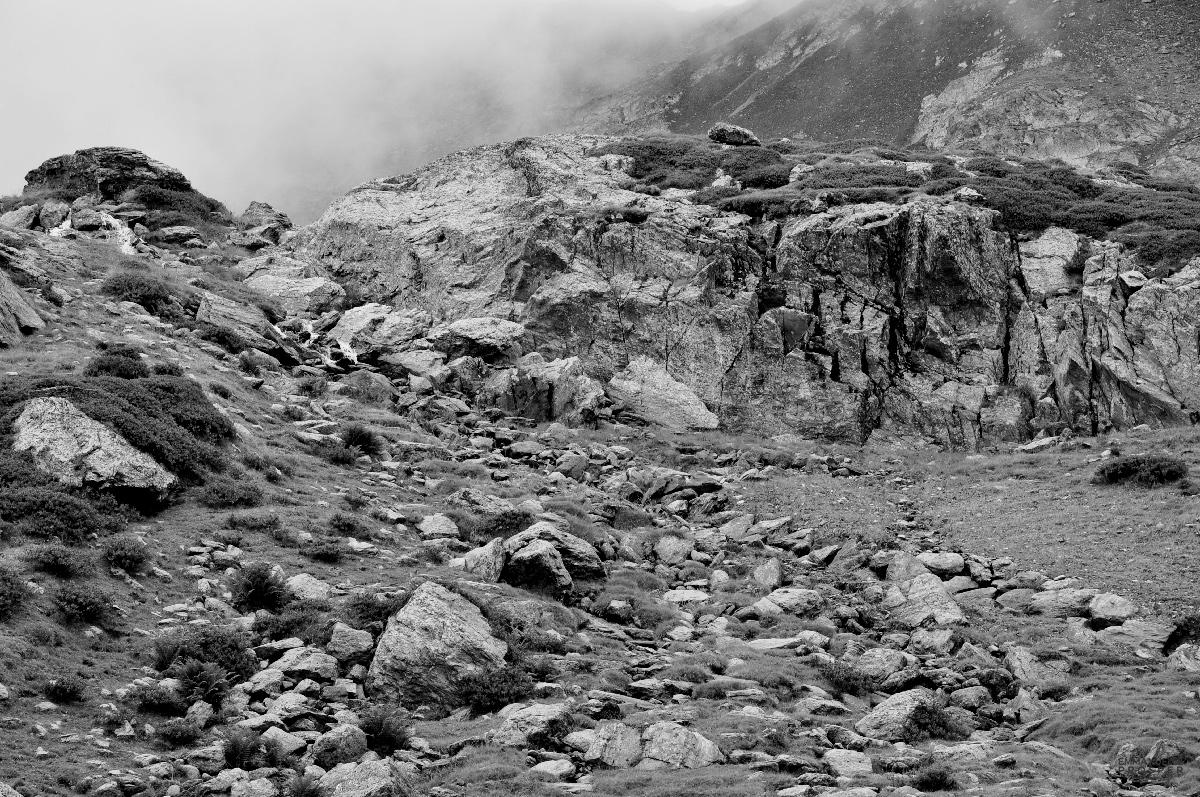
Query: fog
[295, 101]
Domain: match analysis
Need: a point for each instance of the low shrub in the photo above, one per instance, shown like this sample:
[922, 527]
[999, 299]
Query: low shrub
[358, 437]
[179, 732]
[51, 514]
[1145, 470]
[156, 699]
[329, 550]
[933, 722]
[152, 293]
[220, 390]
[365, 608]
[347, 525]
[303, 786]
[68, 689]
[931, 777]
[309, 619]
[387, 726]
[255, 522]
[631, 214]
[226, 338]
[59, 560]
[83, 603]
[243, 749]
[202, 680]
[125, 552]
[845, 679]
[225, 646]
[226, 492]
[481, 528]
[257, 586]
[493, 688]
[117, 366]
[167, 369]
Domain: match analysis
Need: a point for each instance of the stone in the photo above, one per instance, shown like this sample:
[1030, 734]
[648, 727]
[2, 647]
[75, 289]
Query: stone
[672, 549]
[539, 725]
[18, 318]
[685, 596]
[178, 234]
[944, 564]
[308, 587]
[486, 561]
[892, 720]
[340, 744]
[1144, 635]
[107, 171]
[1062, 602]
[368, 387]
[366, 779]
[879, 664]
[288, 743]
[726, 133]
[538, 565]
[648, 390]
[610, 744]
[21, 218]
[488, 338]
[670, 745]
[922, 600]
[578, 555]
[437, 526]
[1048, 261]
[1111, 608]
[789, 600]
[429, 646]
[53, 213]
[375, 331]
[349, 645]
[544, 390]
[306, 662]
[77, 450]
[769, 574]
[847, 763]
[554, 770]
[1042, 678]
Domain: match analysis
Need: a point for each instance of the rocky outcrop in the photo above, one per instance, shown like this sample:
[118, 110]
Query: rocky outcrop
[78, 451]
[876, 321]
[429, 646]
[18, 318]
[107, 171]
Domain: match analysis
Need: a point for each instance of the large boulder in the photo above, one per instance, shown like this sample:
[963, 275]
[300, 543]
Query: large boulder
[539, 566]
[610, 744]
[77, 450]
[896, 719]
[377, 778]
[488, 338]
[17, 316]
[649, 390]
[429, 646]
[299, 288]
[539, 725]
[375, 331]
[107, 171]
[21, 218]
[922, 601]
[338, 745]
[545, 390]
[726, 133]
[578, 555]
[668, 745]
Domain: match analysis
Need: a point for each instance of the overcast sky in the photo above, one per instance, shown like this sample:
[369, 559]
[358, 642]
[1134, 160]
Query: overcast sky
[294, 101]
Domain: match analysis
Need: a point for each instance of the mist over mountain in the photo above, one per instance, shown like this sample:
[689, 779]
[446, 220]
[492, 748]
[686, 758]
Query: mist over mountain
[295, 102]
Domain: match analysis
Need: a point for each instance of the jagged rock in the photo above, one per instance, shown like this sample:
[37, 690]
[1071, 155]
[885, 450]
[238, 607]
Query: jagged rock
[246, 321]
[1042, 677]
[349, 645]
[53, 213]
[17, 316]
[107, 171]
[288, 743]
[537, 565]
[488, 338]
[1052, 262]
[610, 744]
[1062, 602]
[339, 745]
[670, 745]
[672, 549]
[364, 779]
[892, 720]
[368, 387]
[725, 133]
[554, 390]
[920, 600]
[539, 725]
[429, 646]
[648, 389]
[578, 555]
[77, 450]
[306, 662]
[376, 331]
[298, 287]
[21, 218]
[308, 587]
[486, 561]
[880, 664]
[1144, 635]
[791, 600]
[178, 234]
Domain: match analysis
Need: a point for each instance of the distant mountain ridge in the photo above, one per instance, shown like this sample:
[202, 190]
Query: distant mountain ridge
[1089, 82]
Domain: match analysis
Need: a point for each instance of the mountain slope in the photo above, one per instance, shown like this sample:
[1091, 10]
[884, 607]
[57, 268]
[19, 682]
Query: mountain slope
[1084, 81]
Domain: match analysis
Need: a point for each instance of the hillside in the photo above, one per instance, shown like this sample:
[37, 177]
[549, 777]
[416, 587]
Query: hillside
[539, 471]
[1088, 82]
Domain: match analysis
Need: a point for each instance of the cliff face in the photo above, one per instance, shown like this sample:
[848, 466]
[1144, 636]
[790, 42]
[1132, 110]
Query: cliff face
[925, 318]
[1091, 83]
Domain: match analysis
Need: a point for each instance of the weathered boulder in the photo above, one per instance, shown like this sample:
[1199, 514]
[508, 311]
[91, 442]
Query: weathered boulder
[17, 316]
[488, 338]
[429, 646]
[53, 213]
[922, 600]
[486, 561]
[299, 288]
[21, 218]
[338, 745]
[349, 645]
[610, 744]
[306, 662]
[178, 234]
[649, 390]
[726, 133]
[378, 778]
[537, 565]
[554, 390]
[77, 450]
[246, 321]
[579, 556]
[668, 745]
[107, 171]
[893, 719]
[374, 331]
[539, 725]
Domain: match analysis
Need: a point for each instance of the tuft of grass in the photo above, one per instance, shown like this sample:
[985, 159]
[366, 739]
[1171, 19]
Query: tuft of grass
[357, 437]
[83, 603]
[257, 586]
[226, 492]
[59, 560]
[125, 552]
[68, 689]
[179, 732]
[388, 727]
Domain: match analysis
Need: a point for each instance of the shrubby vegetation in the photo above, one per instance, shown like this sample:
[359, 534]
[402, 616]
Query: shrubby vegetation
[1145, 470]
